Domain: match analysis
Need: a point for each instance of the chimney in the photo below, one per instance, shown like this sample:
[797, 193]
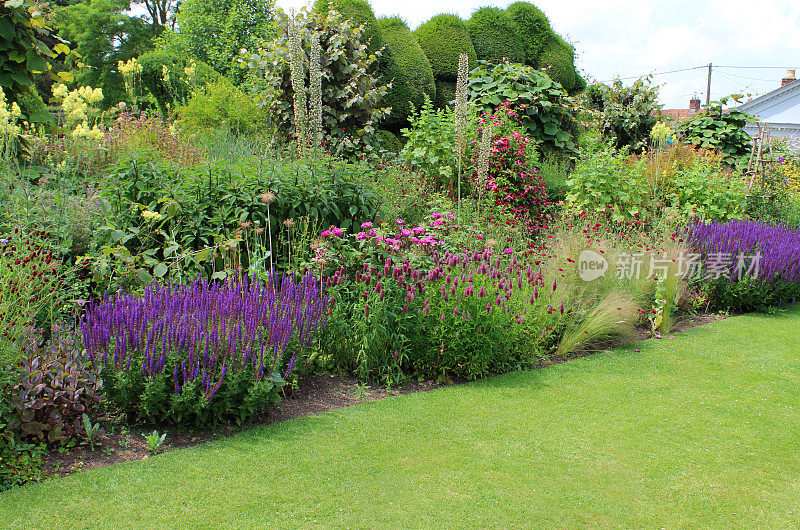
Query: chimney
[789, 78]
[694, 105]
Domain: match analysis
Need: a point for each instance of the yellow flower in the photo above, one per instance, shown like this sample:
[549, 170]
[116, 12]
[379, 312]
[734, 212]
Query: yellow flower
[151, 216]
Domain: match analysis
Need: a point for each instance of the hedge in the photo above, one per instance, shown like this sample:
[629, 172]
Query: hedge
[496, 36]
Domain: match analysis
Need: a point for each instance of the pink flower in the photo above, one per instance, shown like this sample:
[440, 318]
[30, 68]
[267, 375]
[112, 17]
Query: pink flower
[399, 221]
[361, 236]
[326, 233]
[338, 232]
[508, 251]
[366, 225]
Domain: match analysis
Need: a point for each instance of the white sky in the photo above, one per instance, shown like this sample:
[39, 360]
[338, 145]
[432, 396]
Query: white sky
[630, 38]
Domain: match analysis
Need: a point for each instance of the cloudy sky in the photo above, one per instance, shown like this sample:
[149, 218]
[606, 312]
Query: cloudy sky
[631, 38]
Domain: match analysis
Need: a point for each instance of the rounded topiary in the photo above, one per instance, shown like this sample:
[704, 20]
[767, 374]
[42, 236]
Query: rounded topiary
[496, 36]
[408, 69]
[445, 93]
[443, 38]
[534, 28]
[359, 12]
[388, 141]
[557, 60]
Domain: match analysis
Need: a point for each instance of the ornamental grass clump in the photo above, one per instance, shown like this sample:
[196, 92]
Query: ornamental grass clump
[748, 265]
[203, 353]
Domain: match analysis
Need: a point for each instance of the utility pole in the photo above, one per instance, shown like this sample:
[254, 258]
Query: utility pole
[708, 86]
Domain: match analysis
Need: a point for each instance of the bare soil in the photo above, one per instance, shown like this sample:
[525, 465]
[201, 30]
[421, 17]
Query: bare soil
[315, 393]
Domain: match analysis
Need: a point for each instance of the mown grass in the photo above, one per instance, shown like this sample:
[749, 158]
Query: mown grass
[699, 430]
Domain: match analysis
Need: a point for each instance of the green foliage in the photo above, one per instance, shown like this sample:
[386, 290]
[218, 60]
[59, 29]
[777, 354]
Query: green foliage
[430, 142]
[719, 129]
[238, 398]
[445, 93]
[706, 192]
[443, 39]
[54, 386]
[155, 441]
[409, 71]
[27, 46]
[627, 114]
[164, 223]
[557, 59]
[351, 93]
[604, 184]
[92, 432]
[496, 36]
[103, 34]
[214, 31]
[359, 12]
[221, 104]
[175, 87]
[534, 29]
[388, 141]
[541, 103]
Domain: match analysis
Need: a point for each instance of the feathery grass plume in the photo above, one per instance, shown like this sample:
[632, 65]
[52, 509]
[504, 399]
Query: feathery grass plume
[315, 87]
[461, 119]
[483, 161]
[613, 317]
[297, 67]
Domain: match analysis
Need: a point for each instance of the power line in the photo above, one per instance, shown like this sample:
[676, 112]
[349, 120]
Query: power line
[765, 67]
[657, 73]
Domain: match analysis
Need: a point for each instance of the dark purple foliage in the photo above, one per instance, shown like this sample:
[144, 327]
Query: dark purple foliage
[206, 330]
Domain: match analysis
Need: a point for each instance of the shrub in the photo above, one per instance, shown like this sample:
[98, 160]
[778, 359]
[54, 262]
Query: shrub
[719, 129]
[541, 103]
[351, 92]
[627, 114]
[496, 36]
[410, 72]
[55, 385]
[169, 77]
[205, 353]
[360, 13]
[165, 223]
[511, 173]
[534, 28]
[557, 60]
[708, 193]
[222, 105]
[748, 265]
[430, 144]
[445, 93]
[604, 184]
[388, 141]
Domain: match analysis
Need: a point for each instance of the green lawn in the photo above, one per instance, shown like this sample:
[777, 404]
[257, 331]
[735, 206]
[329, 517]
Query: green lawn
[699, 430]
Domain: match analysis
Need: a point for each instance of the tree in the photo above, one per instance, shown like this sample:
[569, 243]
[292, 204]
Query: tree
[27, 48]
[214, 31]
[627, 114]
[104, 34]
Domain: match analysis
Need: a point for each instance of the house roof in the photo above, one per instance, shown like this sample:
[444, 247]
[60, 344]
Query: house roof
[780, 106]
[678, 114]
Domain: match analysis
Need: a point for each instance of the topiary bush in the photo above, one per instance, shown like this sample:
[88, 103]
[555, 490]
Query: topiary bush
[496, 36]
[534, 28]
[388, 141]
[557, 60]
[445, 93]
[409, 71]
[443, 39]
